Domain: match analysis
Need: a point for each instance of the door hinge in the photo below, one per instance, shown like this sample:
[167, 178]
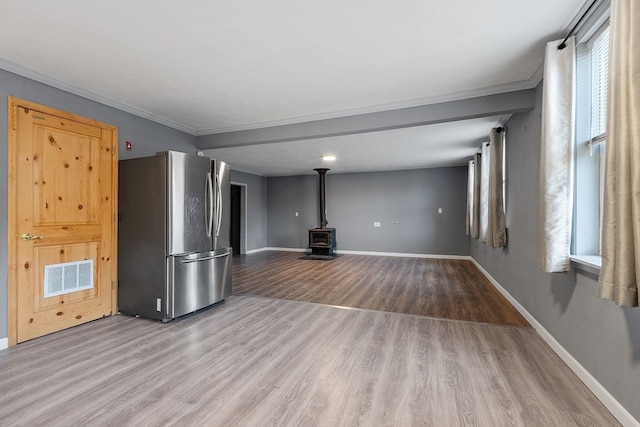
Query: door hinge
[113, 284]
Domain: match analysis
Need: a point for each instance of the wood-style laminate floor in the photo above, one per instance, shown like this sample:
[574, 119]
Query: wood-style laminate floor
[256, 361]
[443, 288]
[264, 361]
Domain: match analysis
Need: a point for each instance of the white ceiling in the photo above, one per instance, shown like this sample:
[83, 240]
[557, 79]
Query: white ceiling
[213, 66]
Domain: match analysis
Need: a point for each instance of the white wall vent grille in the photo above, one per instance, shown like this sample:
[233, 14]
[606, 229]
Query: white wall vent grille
[60, 279]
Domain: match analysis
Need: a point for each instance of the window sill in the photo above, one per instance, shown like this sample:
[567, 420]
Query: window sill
[589, 263]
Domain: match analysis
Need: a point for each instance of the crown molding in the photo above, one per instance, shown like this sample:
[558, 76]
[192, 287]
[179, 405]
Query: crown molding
[529, 83]
[59, 84]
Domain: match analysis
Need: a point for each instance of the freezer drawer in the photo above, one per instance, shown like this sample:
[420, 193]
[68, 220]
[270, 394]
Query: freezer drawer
[197, 280]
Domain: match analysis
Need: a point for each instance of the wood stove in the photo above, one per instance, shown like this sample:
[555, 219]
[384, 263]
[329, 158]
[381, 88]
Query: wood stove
[322, 240]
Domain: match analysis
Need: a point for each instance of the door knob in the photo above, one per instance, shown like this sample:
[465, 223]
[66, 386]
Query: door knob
[29, 236]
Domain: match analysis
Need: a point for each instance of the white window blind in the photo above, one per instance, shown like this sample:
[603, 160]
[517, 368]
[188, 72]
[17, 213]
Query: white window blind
[599, 87]
[599, 82]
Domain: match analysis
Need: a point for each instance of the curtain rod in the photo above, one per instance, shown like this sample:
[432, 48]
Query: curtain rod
[563, 45]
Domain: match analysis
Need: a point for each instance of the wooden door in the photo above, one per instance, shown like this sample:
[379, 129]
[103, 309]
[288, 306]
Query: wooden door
[62, 220]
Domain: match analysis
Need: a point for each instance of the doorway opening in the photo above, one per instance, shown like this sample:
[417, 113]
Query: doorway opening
[238, 225]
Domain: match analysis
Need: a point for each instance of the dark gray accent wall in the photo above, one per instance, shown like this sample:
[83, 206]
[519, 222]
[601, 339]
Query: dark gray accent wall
[256, 188]
[404, 202]
[147, 137]
[603, 338]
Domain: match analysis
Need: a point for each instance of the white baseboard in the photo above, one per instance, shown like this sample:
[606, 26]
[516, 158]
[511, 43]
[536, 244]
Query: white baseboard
[343, 252]
[255, 251]
[286, 249]
[403, 255]
[4, 343]
[618, 411]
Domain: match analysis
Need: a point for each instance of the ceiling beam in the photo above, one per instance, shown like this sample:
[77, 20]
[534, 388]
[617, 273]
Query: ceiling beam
[470, 108]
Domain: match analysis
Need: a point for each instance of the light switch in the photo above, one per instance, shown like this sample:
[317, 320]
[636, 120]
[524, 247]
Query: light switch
[439, 210]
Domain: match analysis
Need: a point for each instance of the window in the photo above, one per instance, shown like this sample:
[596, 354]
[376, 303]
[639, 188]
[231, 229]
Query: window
[591, 117]
[599, 81]
[486, 219]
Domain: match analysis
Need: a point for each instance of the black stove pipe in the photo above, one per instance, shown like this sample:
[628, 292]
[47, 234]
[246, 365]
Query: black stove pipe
[323, 213]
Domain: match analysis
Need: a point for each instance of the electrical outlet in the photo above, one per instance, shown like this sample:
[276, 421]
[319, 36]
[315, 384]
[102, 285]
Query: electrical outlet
[296, 213]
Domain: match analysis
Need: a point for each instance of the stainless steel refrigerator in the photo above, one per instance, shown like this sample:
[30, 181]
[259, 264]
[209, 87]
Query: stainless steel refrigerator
[174, 256]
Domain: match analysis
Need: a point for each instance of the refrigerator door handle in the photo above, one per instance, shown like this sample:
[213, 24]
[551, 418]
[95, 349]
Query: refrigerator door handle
[206, 258]
[218, 206]
[209, 193]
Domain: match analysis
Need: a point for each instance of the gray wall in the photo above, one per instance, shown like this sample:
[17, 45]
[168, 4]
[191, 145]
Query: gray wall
[256, 209]
[404, 202]
[603, 338]
[286, 196]
[147, 137]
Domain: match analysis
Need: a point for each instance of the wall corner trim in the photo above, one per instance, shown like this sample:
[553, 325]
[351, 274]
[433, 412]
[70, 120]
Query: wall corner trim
[4, 343]
[610, 402]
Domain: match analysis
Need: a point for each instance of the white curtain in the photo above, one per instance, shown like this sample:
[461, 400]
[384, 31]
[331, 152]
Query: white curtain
[475, 224]
[470, 187]
[498, 230]
[620, 271]
[484, 192]
[556, 156]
